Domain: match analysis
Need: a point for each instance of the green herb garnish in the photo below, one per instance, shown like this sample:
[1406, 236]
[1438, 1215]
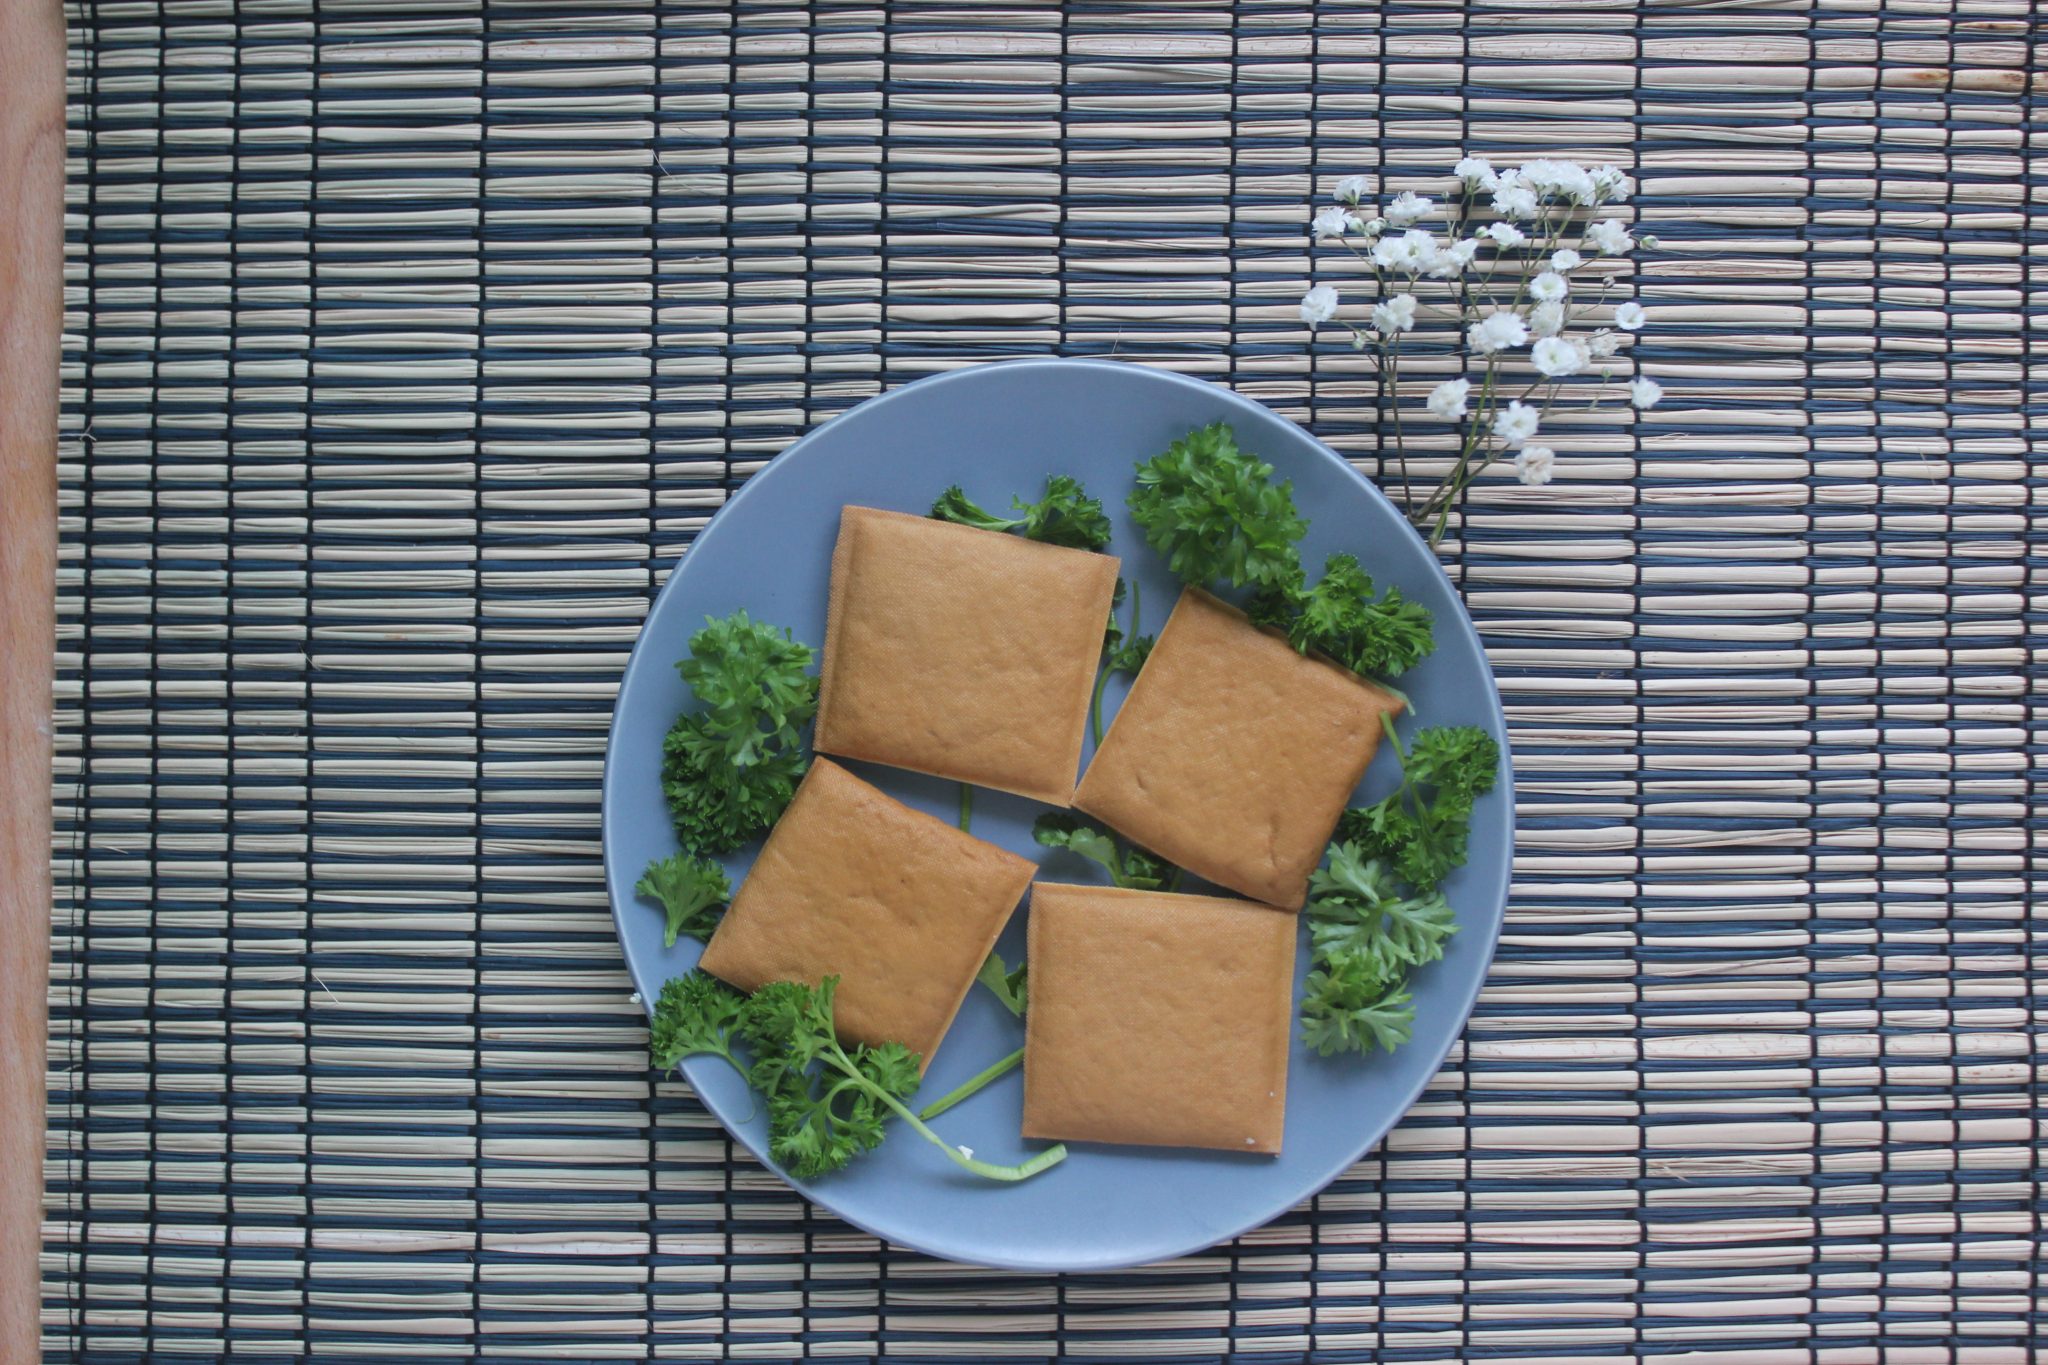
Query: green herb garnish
[1127, 864]
[1216, 514]
[827, 1103]
[693, 891]
[1374, 910]
[697, 1013]
[1010, 985]
[1121, 653]
[1365, 935]
[1422, 827]
[729, 769]
[1341, 619]
[1066, 515]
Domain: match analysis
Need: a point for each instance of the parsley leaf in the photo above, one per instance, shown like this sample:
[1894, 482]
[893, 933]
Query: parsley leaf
[1422, 827]
[1216, 514]
[729, 769]
[1374, 911]
[697, 1013]
[818, 1121]
[1365, 936]
[1340, 618]
[1460, 761]
[1011, 986]
[1066, 515]
[693, 891]
[1127, 864]
[827, 1102]
[1357, 909]
[1120, 653]
[1345, 1011]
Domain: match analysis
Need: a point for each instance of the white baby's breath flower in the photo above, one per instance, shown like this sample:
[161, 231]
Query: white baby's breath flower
[1396, 314]
[1515, 423]
[1561, 180]
[1505, 234]
[1393, 314]
[1514, 200]
[1566, 259]
[1532, 464]
[1447, 400]
[1612, 184]
[1412, 252]
[1557, 357]
[1497, 333]
[1319, 305]
[1408, 207]
[1609, 237]
[1333, 221]
[1452, 259]
[1630, 317]
[1547, 319]
[1603, 343]
[1351, 189]
[1476, 172]
[1644, 393]
[1372, 227]
[1548, 287]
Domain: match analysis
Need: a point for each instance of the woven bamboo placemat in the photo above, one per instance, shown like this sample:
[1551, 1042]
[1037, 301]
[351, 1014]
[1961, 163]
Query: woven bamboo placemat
[409, 345]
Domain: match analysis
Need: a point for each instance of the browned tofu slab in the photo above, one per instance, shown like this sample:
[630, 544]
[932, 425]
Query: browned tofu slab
[964, 653]
[1157, 1019]
[1233, 755]
[900, 906]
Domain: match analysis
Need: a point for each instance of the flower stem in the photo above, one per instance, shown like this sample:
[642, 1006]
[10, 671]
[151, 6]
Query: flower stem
[966, 806]
[974, 1083]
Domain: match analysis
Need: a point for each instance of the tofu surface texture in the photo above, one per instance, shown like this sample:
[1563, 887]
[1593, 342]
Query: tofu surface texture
[899, 905]
[1234, 755]
[961, 652]
[1158, 1019]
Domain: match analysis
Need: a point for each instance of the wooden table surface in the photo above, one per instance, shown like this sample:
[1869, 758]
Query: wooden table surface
[31, 313]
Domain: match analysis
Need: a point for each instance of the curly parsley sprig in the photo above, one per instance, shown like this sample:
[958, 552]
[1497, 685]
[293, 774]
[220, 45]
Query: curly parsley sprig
[1375, 912]
[1421, 828]
[729, 768]
[693, 891]
[1066, 515]
[1216, 514]
[1342, 619]
[1364, 937]
[1122, 652]
[1127, 864]
[827, 1103]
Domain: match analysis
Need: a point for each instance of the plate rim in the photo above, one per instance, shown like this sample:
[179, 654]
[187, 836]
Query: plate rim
[1496, 894]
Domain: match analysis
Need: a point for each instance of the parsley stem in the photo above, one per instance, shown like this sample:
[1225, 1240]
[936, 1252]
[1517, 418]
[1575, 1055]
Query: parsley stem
[1394, 738]
[1095, 705]
[1051, 1156]
[966, 806]
[971, 1085]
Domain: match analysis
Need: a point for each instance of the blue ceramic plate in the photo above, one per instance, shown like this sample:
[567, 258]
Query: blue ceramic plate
[998, 430]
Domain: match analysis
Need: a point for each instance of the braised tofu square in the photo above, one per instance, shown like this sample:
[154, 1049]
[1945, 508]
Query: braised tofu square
[960, 652]
[1158, 1019]
[900, 906]
[1234, 755]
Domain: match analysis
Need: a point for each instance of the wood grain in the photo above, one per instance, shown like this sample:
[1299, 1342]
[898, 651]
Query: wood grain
[31, 312]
